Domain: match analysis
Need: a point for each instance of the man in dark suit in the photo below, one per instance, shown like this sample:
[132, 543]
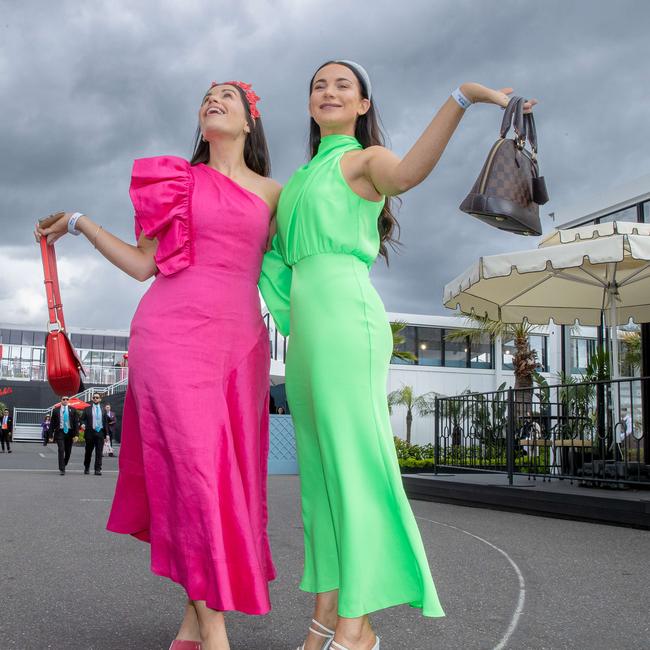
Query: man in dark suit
[64, 428]
[95, 420]
[6, 430]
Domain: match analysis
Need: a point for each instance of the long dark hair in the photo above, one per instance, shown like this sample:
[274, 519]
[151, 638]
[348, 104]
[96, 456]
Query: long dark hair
[256, 151]
[368, 132]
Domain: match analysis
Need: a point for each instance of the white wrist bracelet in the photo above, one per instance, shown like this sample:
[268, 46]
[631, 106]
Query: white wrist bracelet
[72, 223]
[461, 100]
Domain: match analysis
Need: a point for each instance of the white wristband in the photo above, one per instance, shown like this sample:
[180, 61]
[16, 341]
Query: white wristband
[72, 223]
[461, 100]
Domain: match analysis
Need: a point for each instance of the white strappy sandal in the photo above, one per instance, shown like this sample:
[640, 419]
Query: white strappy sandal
[326, 633]
[337, 646]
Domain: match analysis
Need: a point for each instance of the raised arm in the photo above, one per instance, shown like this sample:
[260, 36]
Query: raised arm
[137, 261]
[391, 175]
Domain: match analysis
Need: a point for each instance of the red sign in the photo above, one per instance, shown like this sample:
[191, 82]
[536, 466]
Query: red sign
[6, 391]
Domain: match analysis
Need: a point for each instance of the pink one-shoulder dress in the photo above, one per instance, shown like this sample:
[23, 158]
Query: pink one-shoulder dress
[195, 436]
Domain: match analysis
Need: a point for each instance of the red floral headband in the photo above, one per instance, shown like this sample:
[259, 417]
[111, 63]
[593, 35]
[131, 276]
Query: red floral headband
[251, 97]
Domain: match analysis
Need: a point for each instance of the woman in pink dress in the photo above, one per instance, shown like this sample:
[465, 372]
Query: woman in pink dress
[193, 459]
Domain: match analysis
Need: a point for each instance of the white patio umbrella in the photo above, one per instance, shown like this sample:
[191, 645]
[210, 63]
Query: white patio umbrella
[574, 275]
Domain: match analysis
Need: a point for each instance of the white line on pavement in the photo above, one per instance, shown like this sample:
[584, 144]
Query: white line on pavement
[522, 583]
[41, 455]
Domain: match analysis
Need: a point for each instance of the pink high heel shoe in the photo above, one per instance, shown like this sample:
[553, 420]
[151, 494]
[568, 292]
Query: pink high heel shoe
[178, 644]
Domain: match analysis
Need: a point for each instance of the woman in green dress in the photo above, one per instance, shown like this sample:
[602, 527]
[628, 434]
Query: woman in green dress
[363, 550]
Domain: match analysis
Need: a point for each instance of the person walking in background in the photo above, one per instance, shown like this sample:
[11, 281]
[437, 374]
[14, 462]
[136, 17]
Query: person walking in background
[6, 431]
[96, 422]
[108, 448]
[111, 424]
[64, 429]
[45, 429]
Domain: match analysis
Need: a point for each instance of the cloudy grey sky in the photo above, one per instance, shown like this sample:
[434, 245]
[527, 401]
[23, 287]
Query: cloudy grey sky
[86, 87]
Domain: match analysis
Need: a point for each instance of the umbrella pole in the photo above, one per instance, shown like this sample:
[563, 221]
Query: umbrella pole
[613, 334]
[614, 369]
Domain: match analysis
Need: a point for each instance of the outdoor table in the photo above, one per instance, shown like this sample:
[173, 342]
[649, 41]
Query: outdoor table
[568, 449]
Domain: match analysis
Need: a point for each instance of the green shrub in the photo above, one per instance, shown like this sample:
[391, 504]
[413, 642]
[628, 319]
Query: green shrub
[419, 452]
[416, 463]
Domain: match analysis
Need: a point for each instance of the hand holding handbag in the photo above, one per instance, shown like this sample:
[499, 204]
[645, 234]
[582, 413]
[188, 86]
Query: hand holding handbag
[509, 189]
[61, 360]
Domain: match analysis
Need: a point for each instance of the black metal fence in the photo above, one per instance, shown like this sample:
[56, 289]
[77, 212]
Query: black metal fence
[593, 432]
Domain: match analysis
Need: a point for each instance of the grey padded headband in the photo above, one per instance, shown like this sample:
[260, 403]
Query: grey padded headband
[361, 72]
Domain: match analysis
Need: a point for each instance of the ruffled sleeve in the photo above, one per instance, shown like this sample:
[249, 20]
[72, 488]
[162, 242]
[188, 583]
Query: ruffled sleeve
[161, 192]
[275, 286]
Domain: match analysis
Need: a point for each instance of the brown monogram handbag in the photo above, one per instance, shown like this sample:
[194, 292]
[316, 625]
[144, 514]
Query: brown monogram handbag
[509, 190]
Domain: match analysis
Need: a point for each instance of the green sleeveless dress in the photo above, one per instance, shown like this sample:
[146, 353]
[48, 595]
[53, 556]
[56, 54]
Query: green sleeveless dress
[360, 533]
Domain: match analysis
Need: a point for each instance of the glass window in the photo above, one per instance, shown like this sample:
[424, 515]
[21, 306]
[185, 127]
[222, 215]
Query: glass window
[121, 343]
[39, 338]
[98, 342]
[86, 341]
[630, 350]
[15, 337]
[508, 352]
[429, 346]
[628, 214]
[5, 336]
[646, 212]
[537, 342]
[581, 351]
[75, 339]
[481, 353]
[456, 353]
[109, 343]
[27, 337]
[408, 333]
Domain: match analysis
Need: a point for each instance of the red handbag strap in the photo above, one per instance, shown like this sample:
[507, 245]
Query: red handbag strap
[54, 306]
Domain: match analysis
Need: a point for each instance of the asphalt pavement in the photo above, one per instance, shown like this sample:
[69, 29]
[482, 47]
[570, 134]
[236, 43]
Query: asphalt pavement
[506, 580]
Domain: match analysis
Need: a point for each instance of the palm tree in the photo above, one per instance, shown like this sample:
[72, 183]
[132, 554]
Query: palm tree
[398, 339]
[524, 360]
[422, 405]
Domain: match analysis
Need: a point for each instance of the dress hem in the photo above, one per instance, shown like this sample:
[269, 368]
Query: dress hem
[143, 536]
[429, 612]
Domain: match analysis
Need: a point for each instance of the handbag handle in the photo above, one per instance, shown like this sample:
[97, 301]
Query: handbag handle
[513, 116]
[530, 132]
[54, 305]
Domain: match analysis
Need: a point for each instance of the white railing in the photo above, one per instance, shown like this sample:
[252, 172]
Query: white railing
[27, 423]
[277, 341]
[16, 369]
[118, 387]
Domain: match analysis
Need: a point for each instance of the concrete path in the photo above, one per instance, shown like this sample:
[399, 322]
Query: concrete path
[506, 580]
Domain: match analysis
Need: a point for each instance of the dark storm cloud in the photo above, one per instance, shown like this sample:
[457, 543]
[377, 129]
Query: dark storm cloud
[87, 87]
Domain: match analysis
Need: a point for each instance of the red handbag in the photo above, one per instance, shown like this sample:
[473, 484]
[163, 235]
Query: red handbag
[63, 365]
